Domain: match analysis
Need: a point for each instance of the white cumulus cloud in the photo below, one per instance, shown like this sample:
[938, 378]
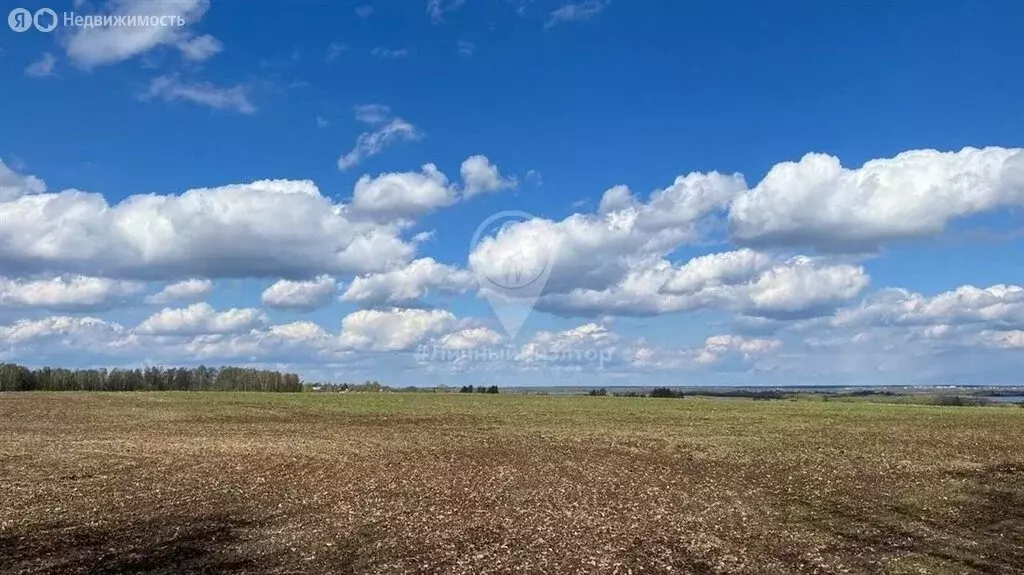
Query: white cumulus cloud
[479, 176]
[408, 285]
[789, 289]
[81, 333]
[282, 228]
[190, 289]
[66, 293]
[394, 329]
[718, 346]
[817, 202]
[300, 295]
[14, 185]
[571, 344]
[998, 306]
[596, 251]
[200, 318]
[398, 195]
[471, 338]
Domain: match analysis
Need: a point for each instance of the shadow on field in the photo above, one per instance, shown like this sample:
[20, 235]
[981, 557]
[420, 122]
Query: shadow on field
[984, 535]
[204, 544]
[154, 546]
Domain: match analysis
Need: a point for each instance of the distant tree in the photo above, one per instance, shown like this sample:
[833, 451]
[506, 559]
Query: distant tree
[18, 378]
[14, 377]
[598, 392]
[953, 400]
[665, 392]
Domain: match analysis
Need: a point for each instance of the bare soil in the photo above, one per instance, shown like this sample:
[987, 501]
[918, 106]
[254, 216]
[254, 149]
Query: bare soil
[456, 483]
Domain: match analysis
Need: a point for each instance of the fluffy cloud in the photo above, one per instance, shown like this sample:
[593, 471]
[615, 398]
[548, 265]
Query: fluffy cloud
[590, 334]
[68, 293]
[622, 259]
[190, 289]
[296, 342]
[741, 282]
[282, 228]
[966, 335]
[408, 195]
[587, 348]
[481, 176]
[678, 208]
[59, 333]
[51, 339]
[615, 261]
[171, 88]
[471, 338]
[394, 329]
[299, 331]
[818, 202]
[799, 286]
[399, 195]
[594, 345]
[718, 269]
[14, 185]
[596, 251]
[996, 307]
[300, 295]
[200, 318]
[569, 345]
[715, 351]
[590, 347]
[90, 47]
[408, 285]
[718, 346]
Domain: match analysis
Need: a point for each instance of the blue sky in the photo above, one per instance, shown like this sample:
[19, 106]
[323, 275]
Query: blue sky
[901, 266]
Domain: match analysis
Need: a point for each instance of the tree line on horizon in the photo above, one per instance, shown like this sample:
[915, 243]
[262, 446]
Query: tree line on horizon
[656, 392]
[478, 389]
[14, 377]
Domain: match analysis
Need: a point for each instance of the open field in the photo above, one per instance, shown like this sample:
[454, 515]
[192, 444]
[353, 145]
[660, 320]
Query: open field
[464, 483]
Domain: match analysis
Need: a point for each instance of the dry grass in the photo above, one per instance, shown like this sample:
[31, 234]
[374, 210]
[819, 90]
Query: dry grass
[393, 483]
